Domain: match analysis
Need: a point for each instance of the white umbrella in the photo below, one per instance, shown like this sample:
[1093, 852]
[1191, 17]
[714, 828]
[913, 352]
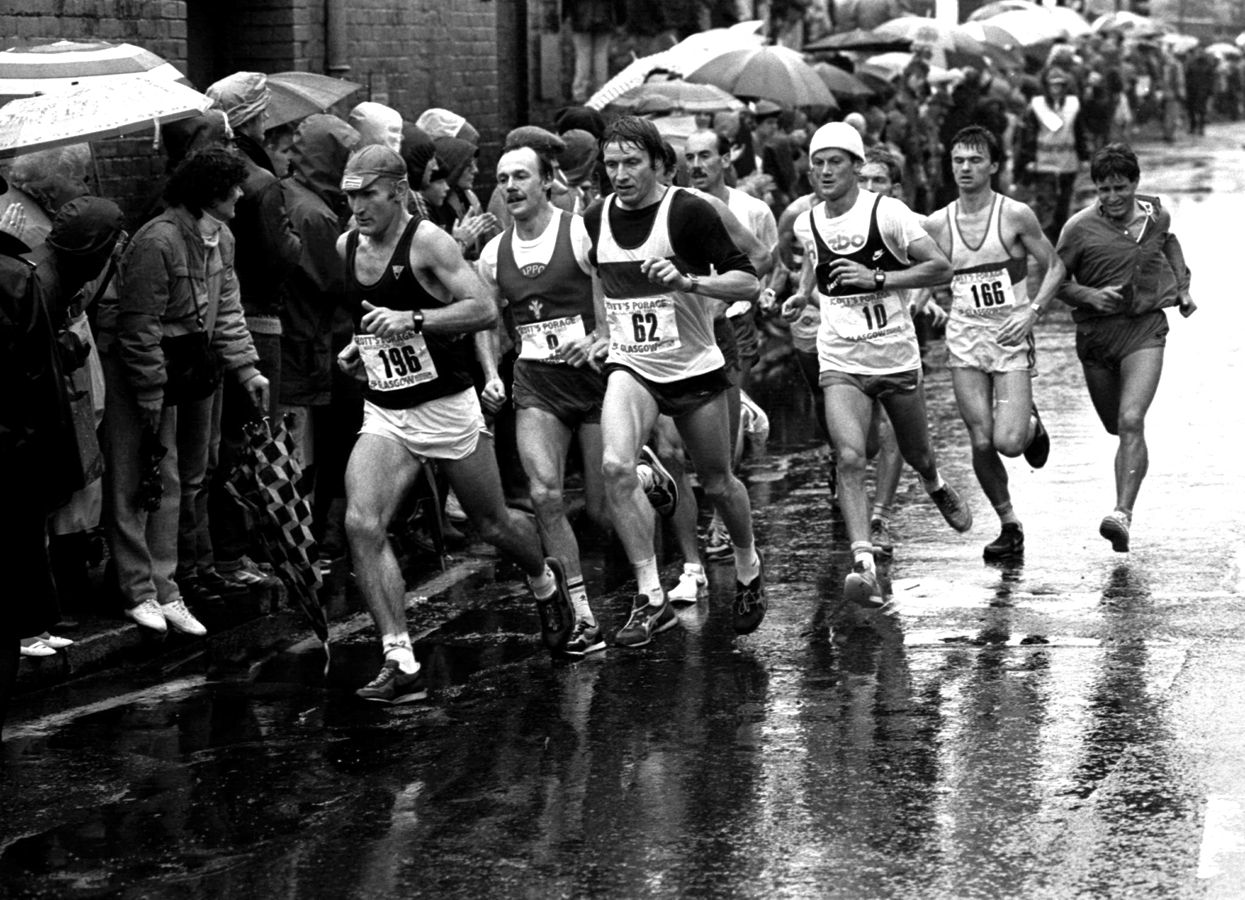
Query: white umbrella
[64, 64]
[91, 112]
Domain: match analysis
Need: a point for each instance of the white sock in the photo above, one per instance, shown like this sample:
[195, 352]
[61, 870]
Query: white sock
[936, 485]
[648, 580]
[579, 600]
[862, 553]
[543, 585]
[694, 569]
[747, 563]
[644, 473]
[397, 647]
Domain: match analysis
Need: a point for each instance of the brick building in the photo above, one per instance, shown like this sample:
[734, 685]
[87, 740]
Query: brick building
[480, 58]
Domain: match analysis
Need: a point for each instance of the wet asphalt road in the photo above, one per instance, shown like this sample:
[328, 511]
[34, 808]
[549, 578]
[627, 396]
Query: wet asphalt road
[1072, 726]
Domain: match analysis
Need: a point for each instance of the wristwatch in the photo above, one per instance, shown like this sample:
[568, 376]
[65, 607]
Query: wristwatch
[417, 321]
[879, 279]
[694, 286]
[1036, 309]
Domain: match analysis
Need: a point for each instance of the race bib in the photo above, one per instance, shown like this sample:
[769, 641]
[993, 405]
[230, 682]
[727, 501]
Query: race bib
[540, 340]
[397, 362]
[859, 317]
[643, 325]
[982, 294]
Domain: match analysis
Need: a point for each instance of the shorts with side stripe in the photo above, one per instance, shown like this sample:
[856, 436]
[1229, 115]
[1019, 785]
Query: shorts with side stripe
[977, 347]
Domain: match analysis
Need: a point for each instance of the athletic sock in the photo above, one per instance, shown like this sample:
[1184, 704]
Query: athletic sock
[936, 485]
[1007, 515]
[862, 552]
[644, 472]
[747, 562]
[648, 580]
[882, 514]
[694, 569]
[543, 585]
[397, 647]
[579, 600]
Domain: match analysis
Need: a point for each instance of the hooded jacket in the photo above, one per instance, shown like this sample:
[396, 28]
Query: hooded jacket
[315, 286]
[268, 245]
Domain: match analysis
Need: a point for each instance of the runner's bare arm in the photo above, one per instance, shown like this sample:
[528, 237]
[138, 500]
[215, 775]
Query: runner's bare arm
[762, 259]
[804, 293]
[470, 307]
[929, 268]
[1039, 249]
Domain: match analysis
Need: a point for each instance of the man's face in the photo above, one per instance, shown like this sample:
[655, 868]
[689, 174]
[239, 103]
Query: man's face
[1115, 196]
[631, 172]
[703, 161]
[876, 177]
[834, 172]
[972, 167]
[377, 205]
[525, 191]
[226, 207]
[767, 128]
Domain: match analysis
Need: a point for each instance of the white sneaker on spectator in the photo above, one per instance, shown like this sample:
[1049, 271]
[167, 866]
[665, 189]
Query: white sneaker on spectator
[36, 647]
[177, 615]
[691, 586]
[148, 614]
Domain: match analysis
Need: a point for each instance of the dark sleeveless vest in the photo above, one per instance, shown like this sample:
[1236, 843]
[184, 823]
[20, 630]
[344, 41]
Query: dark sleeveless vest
[868, 255]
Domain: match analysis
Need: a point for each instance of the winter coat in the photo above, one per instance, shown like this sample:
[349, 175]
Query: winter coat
[268, 245]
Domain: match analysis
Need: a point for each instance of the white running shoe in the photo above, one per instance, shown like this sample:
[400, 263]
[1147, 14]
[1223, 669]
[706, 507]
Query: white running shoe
[177, 615]
[56, 642]
[691, 586]
[148, 615]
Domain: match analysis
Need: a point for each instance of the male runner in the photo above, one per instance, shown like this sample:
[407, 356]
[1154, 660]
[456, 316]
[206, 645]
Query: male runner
[538, 268]
[989, 238]
[654, 247]
[860, 251]
[414, 298]
[1124, 268]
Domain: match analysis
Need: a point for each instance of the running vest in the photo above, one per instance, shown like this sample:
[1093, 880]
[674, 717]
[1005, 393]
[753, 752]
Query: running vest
[549, 303]
[867, 332]
[988, 283]
[661, 334]
[406, 369]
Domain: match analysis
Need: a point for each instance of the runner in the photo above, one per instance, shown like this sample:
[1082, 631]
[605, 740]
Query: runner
[989, 238]
[413, 299]
[663, 359]
[538, 269]
[860, 251]
[1124, 268]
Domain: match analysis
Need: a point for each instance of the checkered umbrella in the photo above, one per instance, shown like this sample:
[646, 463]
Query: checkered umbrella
[268, 482]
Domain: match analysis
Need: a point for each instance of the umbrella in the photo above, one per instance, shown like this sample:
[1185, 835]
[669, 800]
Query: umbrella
[857, 39]
[1179, 44]
[54, 67]
[889, 66]
[684, 96]
[91, 112]
[774, 73]
[1129, 22]
[842, 84]
[1240, 39]
[950, 45]
[267, 482]
[296, 95]
[1222, 49]
[990, 10]
[1029, 27]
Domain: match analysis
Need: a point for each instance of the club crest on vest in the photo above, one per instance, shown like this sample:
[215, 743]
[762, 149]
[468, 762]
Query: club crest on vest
[398, 270]
[535, 306]
[533, 270]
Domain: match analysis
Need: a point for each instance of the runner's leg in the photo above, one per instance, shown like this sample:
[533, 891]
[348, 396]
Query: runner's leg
[669, 446]
[974, 394]
[1013, 412]
[627, 418]
[706, 434]
[848, 413]
[543, 442]
[907, 414]
[1139, 380]
[589, 439]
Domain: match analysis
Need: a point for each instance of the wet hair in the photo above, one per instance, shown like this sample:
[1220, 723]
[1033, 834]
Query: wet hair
[1114, 159]
[638, 132]
[669, 159]
[205, 177]
[977, 138]
[886, 158]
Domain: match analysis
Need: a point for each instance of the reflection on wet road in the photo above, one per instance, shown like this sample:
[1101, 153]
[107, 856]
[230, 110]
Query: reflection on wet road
[1070, 726]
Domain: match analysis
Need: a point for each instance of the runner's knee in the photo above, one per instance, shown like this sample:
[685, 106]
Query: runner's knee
[547, 500]
[851, 460]
[619, 473]
[1131, 423]
[364, 527]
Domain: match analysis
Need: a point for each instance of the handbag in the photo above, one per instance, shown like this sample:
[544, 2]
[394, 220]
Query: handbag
[191, 369]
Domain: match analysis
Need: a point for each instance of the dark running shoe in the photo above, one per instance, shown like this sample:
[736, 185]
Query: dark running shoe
[863, 588]
[1039, 448]
[1114, 528]
[750, 602]
[394, 686]
[883, 541]
[557, 615]
[663, 490]
[584, 639]
[1009, 543]
[953, 508]
[646, 620]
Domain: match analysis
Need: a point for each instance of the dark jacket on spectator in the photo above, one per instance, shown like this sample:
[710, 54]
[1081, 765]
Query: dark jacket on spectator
[267, 243]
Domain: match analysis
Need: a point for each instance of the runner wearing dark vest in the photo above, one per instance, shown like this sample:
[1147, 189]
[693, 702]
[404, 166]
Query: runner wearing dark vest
[415, 301]
[539, 273]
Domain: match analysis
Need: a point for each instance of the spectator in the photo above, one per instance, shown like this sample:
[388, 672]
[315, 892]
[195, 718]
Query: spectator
[1051, 148]
[439, 123]
[1199, 85]
[377, 124]
[592, 26]
[773, 150]
[461, 213]
[177, 281]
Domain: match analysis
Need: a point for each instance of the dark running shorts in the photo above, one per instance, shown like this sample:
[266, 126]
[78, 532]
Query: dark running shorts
[874, 386]
[571, 393]
[678, 398]
[724, 335]
[1104, 341]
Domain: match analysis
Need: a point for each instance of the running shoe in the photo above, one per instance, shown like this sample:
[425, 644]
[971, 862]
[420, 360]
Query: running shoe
[691, 586]
[1114, 528]
[663, 490]
[585, 638]
[953, 508]
[557, 615]
[1009, 543]
[394, 686]
[1039, 448]
[863, 588]
[646, 620]
[177, 615]
[718, 541]
[750, 602]
[882, 539]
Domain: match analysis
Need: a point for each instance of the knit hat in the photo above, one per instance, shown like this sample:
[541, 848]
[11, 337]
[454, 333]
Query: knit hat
[837, 136]
[543, 142]
[580, 155]
[372, 162]
[241, 96]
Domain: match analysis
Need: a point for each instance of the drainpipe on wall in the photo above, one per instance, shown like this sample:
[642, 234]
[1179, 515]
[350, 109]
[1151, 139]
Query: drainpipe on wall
[336, 38]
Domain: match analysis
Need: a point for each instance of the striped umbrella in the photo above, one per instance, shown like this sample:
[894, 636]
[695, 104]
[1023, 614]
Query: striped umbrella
[52, 67]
